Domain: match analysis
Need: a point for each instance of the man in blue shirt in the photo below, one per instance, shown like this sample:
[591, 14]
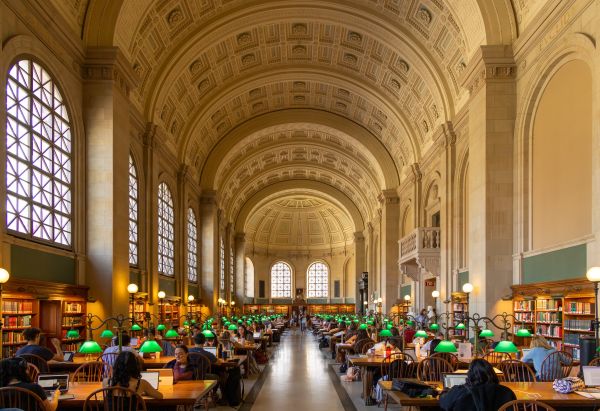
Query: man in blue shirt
[32, 335]
[199, 341]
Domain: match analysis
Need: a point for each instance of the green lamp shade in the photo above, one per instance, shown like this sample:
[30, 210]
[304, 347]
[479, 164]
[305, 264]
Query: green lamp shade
[161, 327]
[107, 334]
[486, 333]
[150, 346]
[370, 322]
[410, 322]
[460, 326]
[506, 346]
[136, 327]
[171, 334]
[363, 326]
[348, 322]
[421, 334]
[523, 332]
[193, 321]
[445, 346]
[90, 347]
[390, 326]
[186, 323]
[434, 327]
[385, 320]
[385, 333]
[72, 334]
[208, 334]
[240, 321]
[232, 327]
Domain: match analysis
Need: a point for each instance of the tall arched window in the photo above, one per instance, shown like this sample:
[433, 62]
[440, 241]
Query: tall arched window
[222, 265]
[38, 156]
[133, 213]
[281, 280]
[231, 272]
[166, 231]
[192, 246]
[318, 280]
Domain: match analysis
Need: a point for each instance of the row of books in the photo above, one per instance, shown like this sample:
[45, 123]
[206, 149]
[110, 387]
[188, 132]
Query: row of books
[9, 306]
[9, 351]
[73, 307]
[574, 307]
[549, 330]
[583, 325]
[459, 307]
[72, 321]
[549, 316]
[572, 338]
[18, 321]
[524, 305]
[549, 304]
[11, 337]
[527, 317]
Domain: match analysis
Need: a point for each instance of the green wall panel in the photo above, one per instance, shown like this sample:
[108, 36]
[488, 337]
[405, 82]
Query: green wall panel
[281, 300]
[316, 300]
[462, 279]
[167, 285]
[405, 289]
[30, 264]
[556, 265]
[193, 290]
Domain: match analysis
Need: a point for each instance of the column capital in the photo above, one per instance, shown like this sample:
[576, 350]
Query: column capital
[240, 237]
[494, 63]
[109, 64]
[416, 175]
[359, 236]
[388, 196]
[208, 197]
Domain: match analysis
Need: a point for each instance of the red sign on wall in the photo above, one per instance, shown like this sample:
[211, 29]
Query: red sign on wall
[429, 283]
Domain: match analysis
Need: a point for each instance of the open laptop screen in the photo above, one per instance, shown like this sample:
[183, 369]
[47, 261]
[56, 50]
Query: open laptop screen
[450, 380]
[68, 356]
[591, 376]
[50, 382]
[212, 350]
[152, 377]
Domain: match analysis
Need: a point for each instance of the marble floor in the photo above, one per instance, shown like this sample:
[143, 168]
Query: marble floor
[297, 378]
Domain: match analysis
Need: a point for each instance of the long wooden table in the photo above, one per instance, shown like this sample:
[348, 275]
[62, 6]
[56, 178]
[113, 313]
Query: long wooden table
[61, 366]
[538, 391]
[185, 393]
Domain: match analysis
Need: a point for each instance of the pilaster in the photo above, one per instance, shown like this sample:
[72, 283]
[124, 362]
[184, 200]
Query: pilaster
[209, 224]
[390, 232]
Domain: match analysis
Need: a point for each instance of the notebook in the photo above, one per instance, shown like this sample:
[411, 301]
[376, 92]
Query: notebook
[153, 377]
[50, 382]
[68, 356]
[449, 380]
[165, 375]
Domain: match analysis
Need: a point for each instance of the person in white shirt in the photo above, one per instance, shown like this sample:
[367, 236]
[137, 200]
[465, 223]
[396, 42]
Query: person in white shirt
[114, 349]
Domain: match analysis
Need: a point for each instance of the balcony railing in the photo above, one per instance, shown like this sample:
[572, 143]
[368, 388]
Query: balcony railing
[421, 248]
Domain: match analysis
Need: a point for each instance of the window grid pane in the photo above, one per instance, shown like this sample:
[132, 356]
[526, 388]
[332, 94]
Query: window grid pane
[133, 213]
[231, 272]
[222, 265]
[166, 231]
[318, 280]
[38, 156]
[281, 280]
[192, 246]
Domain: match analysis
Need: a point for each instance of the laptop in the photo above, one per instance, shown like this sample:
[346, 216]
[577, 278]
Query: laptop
[212, 350]
[257, 336]
[591, 375]
[50, 382]
[165, 375]
[134, 342]
[449, 380]
[68, 356]
[153, 377]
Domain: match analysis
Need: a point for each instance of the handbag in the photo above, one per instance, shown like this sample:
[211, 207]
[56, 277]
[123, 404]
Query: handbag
[412, 388]
[568, 384]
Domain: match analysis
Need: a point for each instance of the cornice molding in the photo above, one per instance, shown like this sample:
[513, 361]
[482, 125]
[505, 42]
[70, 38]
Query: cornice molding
[109, 64]
[490, 63]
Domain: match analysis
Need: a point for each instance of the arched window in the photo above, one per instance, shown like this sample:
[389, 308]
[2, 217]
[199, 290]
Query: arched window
[231, 272]
[222, 264]
[249, 278]
[133, 213]
[38, 156]
[166, 231]
[281, 280]
[318, 280]
[192, 246]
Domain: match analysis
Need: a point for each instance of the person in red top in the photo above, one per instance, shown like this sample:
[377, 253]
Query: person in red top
[409, 334]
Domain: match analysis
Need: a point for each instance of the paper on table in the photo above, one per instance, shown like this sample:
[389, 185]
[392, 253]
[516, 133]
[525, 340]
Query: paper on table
[593, 395]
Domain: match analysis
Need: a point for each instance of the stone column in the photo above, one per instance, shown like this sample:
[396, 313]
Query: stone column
[181, 235]
[370, 258]
[209, 229]
[229, 291]
[149, 225]
[390, 232]
[359, 266]
[108, 79]
[490, 79]
[240, 269]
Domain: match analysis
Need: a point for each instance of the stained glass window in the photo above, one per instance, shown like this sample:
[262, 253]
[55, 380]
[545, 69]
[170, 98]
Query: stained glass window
[281, 280]
[318, 280]
[38, 156]
[192, 246]
[133, 213]
[222, 265]
[166, 231]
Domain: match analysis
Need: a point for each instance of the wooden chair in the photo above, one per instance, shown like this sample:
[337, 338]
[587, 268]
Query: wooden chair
[556, 365]
[516, 371]
[595, 362]
[496, 358]
[432, 368]
[20, 398]
[359, 344]
[32, 371]
[451, 358]
[525, 405]
[366, 346]
[92, 372]
[39, 362]
[108, 358]
[202, 365]
[114, 399]
[399, 365]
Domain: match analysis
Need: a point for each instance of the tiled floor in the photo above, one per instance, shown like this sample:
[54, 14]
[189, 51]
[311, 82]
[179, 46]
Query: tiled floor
[298, 378]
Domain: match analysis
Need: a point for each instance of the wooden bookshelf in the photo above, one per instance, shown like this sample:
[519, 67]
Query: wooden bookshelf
[72, 318]
[460, 310]
[18, 313]
[170, 313]
[286, 309]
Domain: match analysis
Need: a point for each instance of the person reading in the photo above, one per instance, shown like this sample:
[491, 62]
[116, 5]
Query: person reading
[127, 374]
[13, 373]
[32, 336]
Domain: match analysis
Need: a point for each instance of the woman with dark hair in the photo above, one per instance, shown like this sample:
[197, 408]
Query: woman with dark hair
[13, 373]
[183, 369]
[127, 374]
[482, 391]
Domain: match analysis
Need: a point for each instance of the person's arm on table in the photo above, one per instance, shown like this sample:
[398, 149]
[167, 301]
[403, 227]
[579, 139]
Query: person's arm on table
[147, 389]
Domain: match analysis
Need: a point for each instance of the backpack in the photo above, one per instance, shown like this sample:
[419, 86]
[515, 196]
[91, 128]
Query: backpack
[323, 343]
[234, 387]
[261, 357]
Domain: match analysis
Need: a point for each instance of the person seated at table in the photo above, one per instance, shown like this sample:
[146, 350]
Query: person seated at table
[114, 348]
[481, 392]
[361, 339]
[351, 331]
[199, 341]
[13, 373]
[422, 318]
[32, 335]
[127, 374]
[540, 349]
[409, 333]
[430, 345]
[382, 345]
[167, 346]
[183, 368]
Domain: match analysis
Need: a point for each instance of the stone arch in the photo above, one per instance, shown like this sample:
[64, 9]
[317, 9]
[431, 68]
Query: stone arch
[431, 204]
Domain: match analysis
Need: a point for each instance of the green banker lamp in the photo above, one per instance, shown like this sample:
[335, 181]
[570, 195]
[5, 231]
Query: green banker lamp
[506, 346]
[232, 327]
[445, 346]
[486, 333]
[172, 333]
[421, 334]
[151, 346]
[161, 327]
[136, 327]
[90, 347]
[434, 327]
[523, 332]
[208, 334]
[72, 334]
[108, 334]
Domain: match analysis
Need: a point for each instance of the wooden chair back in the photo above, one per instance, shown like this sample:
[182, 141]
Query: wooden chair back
[451, 358]
[556, 365]
[432, 368]
[399, 365]
[20, 398]
[496, 358]
[202, 365]
[595, 362]
[32, 372]
[39, 362]
[109, 358]
[366, 346]
[93, 371]
[516, 371]
[114, 399]
[359, 344]
[526, 405]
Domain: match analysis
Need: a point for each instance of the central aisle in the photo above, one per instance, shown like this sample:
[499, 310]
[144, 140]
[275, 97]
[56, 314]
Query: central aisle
[298, 378]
